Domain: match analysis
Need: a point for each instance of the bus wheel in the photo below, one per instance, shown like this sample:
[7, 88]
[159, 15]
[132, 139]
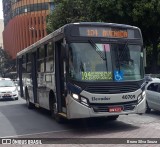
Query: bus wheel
[112, 117]
[54, 113]
[148, 110]
[29, 104]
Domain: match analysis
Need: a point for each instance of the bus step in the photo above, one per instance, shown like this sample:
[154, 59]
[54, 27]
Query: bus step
[37, 105]
[62, 114]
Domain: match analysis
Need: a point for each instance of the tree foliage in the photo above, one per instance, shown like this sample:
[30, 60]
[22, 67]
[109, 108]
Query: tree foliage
[67, 11]
[6, 62]
[142, 13]
[146, 14]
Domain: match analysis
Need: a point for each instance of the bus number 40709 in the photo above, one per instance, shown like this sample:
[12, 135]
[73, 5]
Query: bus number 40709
[128, 97]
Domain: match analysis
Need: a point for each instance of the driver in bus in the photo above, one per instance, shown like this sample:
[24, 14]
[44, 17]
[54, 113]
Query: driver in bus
[71, 66]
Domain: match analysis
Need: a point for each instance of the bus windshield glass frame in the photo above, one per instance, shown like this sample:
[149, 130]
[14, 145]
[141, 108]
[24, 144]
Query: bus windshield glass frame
[100, 62]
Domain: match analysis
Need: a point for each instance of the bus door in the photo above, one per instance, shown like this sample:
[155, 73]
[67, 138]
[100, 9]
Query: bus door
[60, 77]
[34, 77]
[19, 71]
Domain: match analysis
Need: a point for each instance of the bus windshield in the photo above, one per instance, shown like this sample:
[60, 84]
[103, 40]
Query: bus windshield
[105, 62]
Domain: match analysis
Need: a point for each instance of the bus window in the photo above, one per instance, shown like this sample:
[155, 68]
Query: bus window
[127, 59]
[49, 58]
[24, 64]
[41, 56]
[29, 64]
[95, 65]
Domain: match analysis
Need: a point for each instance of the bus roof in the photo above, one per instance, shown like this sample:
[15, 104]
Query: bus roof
[61, 30]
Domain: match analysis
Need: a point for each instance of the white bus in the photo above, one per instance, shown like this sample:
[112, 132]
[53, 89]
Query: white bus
[85, 70]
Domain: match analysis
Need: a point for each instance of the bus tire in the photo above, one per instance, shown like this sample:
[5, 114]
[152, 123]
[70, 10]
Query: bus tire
[112, 117]
[29, 104]
[54, 112]
[148, 110]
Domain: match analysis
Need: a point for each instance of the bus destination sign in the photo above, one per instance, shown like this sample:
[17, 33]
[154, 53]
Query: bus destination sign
[103, 32]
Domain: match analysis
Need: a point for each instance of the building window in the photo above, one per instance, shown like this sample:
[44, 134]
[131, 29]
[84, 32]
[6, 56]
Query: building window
[31, 8]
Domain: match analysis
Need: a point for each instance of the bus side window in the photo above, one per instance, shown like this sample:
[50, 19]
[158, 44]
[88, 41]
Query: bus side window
[41, 56]
[29, 64]
[24, 64]
[49, 57]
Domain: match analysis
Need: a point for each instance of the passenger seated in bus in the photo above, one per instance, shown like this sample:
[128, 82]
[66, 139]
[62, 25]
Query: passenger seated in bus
[86, 66]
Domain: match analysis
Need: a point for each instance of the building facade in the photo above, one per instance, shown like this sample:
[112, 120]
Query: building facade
[24, 23]
[1, 30]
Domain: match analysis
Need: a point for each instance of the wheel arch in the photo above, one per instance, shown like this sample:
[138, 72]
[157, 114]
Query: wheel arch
[52, 98]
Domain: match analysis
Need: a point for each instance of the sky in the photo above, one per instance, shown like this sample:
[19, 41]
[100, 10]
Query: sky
[1, 12]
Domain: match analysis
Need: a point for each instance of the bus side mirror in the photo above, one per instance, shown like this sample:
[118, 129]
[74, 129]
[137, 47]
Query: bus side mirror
[64, 48]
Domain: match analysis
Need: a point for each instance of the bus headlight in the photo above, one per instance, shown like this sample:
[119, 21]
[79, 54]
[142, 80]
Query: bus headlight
[141, 96]
[82, 100]
[75, 96]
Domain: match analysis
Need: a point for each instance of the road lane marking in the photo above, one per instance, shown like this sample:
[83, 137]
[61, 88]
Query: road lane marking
[36, 133]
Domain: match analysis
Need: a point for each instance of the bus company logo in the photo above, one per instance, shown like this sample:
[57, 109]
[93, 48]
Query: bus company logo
[6, 141]
[100, 99]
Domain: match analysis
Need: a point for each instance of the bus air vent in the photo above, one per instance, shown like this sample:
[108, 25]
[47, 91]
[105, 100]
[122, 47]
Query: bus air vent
[112, 89]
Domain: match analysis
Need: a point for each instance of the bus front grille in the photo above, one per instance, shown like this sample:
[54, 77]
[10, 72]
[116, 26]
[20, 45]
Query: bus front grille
[105, 107]
[111, 89]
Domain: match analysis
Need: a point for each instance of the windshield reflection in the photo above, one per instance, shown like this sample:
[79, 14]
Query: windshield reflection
[6, 83]
[103, 62]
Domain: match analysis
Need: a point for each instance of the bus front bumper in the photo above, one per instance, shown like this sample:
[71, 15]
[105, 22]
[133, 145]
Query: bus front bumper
[77, 110]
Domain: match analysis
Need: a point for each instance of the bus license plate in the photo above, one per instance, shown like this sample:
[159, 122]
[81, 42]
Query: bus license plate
[6, 94]
[115, 109]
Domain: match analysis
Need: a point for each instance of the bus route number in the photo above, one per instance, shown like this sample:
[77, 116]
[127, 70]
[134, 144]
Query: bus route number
[92, 32]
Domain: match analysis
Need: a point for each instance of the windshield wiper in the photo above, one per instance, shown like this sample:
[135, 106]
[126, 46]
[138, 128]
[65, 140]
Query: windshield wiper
[117, 54]
[123, 51]
[96, 48]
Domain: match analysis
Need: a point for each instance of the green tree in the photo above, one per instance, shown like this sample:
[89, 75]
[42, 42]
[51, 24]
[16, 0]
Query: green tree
[146, 14]
[142, 13]
[6, 62]
[113, 11]
[67, 11]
